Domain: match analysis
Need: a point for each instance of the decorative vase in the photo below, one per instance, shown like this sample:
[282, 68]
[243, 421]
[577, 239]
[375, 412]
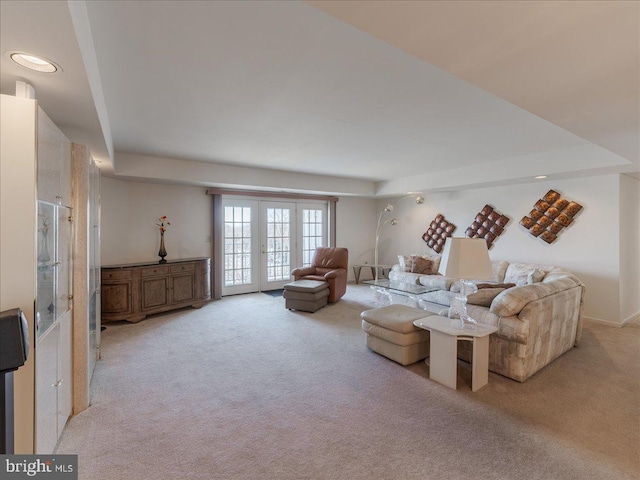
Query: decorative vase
[162, 252]
[43, 248]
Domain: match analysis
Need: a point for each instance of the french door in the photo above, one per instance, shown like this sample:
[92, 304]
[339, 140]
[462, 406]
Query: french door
[265, 240]
[278, 244]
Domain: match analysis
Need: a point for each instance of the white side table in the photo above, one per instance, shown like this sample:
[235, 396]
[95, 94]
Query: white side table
[444, 350]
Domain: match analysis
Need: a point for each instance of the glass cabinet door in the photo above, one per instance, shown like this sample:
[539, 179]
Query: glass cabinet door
[46, 259]
[55, 264]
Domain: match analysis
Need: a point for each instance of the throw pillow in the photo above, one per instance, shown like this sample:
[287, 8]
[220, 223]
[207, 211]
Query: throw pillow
[405, 262]
[495, 285]
[523, 274]
[421, 265]
[484, 296]
[535, 276]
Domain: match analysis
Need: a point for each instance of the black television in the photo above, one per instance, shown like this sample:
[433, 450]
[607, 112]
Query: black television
[14, 340]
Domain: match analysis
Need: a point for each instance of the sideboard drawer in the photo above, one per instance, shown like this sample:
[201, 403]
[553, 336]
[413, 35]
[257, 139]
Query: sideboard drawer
[116, 274]
[151, 271]
[185, 267]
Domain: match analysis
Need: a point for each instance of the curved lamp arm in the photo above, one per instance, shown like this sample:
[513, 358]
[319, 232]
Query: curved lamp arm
[389, 208]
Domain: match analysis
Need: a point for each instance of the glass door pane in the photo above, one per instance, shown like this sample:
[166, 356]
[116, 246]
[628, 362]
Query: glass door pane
[312, 219]
[241, 272]
[46, 268]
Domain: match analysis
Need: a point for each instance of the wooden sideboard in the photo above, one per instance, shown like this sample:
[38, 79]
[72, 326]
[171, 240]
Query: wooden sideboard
[133, 291]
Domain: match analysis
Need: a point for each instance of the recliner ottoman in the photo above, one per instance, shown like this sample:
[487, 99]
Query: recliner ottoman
[390, 332]
[306, 295]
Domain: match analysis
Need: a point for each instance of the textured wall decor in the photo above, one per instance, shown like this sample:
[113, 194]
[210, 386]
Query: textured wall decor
[488, 224]
[438, 231]
[549, 216]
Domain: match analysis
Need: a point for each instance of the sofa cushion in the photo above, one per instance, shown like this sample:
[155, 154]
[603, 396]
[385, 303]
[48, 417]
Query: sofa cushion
[512, 301]
[436, 282]
[484, 296]
[404, 277]
[525, 273]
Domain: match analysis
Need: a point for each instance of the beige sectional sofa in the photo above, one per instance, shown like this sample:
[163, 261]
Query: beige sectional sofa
[538, 320]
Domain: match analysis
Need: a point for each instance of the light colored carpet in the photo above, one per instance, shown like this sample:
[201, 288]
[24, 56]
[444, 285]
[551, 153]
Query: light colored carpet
[245, 389]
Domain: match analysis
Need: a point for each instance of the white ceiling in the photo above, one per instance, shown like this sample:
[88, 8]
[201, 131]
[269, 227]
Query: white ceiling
[400, 93]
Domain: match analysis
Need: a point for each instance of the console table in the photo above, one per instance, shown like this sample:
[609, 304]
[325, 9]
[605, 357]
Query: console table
[383, 269]
[133, 291]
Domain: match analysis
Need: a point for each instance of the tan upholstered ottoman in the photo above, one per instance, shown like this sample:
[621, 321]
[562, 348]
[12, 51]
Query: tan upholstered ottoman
[390, 332]
[306, 295]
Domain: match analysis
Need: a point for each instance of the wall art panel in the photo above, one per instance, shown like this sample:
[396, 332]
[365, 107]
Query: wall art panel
[488, 224]
[549, 216]
[438, 231]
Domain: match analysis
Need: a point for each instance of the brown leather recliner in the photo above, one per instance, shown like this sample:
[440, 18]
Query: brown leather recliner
[328, 265]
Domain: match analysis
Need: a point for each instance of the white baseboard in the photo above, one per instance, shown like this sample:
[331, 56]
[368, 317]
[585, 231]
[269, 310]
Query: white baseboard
[632, 318]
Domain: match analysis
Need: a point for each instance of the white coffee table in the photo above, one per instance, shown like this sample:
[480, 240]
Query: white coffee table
[443, 344]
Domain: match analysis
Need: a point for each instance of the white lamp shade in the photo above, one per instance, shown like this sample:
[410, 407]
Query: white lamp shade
[466, 258]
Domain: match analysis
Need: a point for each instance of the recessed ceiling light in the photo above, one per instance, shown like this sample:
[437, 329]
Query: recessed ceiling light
[540, 177]
[34, 62]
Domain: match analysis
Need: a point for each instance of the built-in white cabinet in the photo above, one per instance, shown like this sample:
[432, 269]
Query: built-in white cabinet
[53, 324]
[53, 384]
[54, 286]
[38, 268]
[54, 162]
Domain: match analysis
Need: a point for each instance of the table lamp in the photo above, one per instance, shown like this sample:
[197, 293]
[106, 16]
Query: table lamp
[465, 259]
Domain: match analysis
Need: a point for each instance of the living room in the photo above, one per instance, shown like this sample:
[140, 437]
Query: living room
[473, 138]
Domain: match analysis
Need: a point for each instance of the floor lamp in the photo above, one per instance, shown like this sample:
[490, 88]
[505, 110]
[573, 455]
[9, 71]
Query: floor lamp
[465, 259]
[393, 221]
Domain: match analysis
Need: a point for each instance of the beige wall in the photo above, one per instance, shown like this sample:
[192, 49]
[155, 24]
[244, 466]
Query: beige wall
[355, 227]
[18, 244]
[129, 211]
[629, 248]
[129, 214]
[590, 247]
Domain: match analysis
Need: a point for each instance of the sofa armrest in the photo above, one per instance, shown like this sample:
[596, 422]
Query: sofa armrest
[301, 272]
[437, 282]
[513, 300]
